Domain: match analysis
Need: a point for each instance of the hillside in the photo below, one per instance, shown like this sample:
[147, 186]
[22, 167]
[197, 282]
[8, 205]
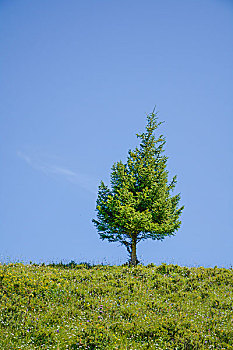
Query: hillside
[115, 307]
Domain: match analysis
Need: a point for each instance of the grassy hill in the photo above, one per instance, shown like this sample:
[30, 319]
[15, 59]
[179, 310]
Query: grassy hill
[115, 307]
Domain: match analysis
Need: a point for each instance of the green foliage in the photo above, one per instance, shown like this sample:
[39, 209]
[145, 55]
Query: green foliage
[115, 307]
[139, 204]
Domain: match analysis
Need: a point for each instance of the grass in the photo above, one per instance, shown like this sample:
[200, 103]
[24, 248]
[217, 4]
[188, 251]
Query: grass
[74, 306]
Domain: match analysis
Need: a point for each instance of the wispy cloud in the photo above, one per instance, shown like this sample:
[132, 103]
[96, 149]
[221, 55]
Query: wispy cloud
[83, 180]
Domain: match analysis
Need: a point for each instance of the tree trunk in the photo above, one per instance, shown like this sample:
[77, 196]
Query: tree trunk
[133, 252]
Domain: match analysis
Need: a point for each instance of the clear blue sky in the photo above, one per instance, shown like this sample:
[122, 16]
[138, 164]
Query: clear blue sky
[77, 79]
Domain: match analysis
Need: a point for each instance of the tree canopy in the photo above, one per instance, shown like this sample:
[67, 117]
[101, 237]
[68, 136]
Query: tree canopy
[139, 204]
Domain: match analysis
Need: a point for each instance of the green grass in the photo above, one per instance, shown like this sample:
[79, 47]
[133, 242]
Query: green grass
[115, 307]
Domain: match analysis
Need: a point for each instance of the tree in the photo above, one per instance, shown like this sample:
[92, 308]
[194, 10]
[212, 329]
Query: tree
[139, 204]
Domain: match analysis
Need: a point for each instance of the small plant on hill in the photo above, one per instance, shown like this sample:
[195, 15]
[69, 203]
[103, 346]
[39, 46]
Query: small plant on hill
[139, 204]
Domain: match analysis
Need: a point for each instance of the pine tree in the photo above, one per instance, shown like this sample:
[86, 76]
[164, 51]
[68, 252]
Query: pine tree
[139, 205]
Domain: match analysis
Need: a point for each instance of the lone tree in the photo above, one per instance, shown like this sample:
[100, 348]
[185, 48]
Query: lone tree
[139, 204]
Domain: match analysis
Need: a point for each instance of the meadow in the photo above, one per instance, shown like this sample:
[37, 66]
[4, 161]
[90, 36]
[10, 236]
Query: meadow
[79, 306]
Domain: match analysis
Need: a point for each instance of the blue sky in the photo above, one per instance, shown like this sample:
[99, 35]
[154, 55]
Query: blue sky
[77, 80]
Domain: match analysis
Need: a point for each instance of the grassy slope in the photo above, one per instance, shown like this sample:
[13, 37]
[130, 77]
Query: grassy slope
[115, 307]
